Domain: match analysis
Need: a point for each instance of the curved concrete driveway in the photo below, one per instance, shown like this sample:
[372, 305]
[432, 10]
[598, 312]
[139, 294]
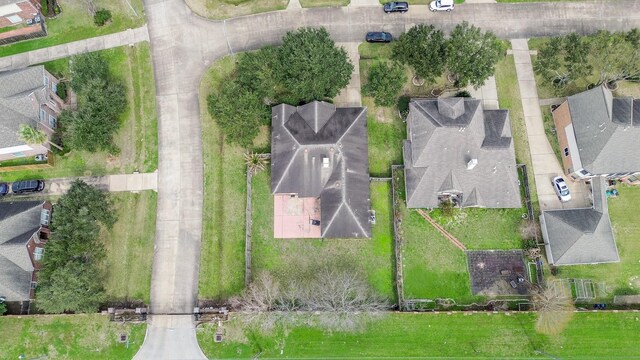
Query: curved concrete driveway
[184, 45]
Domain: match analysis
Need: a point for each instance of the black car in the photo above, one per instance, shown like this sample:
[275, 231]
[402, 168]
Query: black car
[27, 186]
[4, 189]
[379, 36]
[396, 6]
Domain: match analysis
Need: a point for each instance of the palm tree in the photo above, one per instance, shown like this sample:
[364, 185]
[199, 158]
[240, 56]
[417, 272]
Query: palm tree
[31, 135]
[255, 162]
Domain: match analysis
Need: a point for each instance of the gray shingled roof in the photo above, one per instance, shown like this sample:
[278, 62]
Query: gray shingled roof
[9, 2]
[580, 236]
[305, 135]
[18, 222]
[607, 130]
[21, 93]
[443, 136]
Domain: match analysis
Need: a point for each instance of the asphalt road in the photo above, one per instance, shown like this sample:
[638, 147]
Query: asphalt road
[184, 45]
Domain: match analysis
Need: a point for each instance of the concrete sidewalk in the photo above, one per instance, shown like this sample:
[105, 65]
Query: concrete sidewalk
[350, 95]
[130, 36]
[488, 93]
[545, 163]
[111, 183]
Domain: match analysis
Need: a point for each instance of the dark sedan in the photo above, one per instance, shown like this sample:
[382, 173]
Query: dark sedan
[396, 6]
[379, 36]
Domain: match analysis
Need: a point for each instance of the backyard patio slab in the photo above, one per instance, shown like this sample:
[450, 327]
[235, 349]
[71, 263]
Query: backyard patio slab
[292, 218]
[497, 273]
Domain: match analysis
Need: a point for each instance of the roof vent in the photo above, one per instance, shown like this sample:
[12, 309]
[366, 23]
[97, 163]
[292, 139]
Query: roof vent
[472, 163]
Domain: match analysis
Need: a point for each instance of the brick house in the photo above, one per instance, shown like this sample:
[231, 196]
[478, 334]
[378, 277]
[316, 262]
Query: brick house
[20, 20]
[598, 135]
[27, 96]
[24, 231]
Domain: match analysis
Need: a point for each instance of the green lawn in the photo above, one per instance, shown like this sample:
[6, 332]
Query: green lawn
[550, 131]
[76, 23]
[430, 335]
[225, 9]
[129, 246]
[323, 3]
[288, 258]
[623, 277]
[67, 337]
[222, 260]
[137, 137]
[509, 98]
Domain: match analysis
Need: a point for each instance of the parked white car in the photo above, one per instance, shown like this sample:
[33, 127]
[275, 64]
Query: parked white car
[441, 5]
[561, 188]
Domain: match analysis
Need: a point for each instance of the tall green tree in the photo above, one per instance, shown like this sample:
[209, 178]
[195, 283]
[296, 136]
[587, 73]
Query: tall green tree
[472, 55]
[256, 71]
[86, 67]
[311, 67]
[424, 49]
[548, 63]
[239, 112]
[71, 275]
[615, 56]
[384, 82]
[576, 53]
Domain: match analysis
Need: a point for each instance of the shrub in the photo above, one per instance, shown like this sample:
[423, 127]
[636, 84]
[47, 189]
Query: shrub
[61, 90]
[384, 82]
[102, 17]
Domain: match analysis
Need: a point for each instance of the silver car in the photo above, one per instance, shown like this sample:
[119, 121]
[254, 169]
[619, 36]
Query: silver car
[561, 188]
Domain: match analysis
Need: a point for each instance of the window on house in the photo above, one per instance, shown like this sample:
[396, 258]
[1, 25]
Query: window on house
[53, 122]
[54, 87]
[566, 151]
[18, 154]
[38, 253]
[42, 115]
[584, 172]
[33, 284]
[44, 217]
[14, 19]
[46, 80]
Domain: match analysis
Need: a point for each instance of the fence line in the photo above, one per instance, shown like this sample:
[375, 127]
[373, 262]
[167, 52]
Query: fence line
[248, 226]
[397, 238]
[532, 218]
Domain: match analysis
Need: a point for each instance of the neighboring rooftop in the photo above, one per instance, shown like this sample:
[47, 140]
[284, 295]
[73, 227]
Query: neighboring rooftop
[18, 222]
[21, 93]
[454, 147]
[607, 130]
[319, 150]
[580, 236]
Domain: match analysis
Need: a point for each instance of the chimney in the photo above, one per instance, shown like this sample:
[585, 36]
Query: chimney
[472, 163]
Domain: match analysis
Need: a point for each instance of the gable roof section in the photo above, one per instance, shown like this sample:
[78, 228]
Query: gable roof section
[606, 131]
[319, 150]
[438, 150]
[18, 222]
[21, 93]
[580, 236]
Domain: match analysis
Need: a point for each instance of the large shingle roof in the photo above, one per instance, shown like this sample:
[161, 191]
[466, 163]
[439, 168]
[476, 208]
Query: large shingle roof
[21, 93]
[302, 137]
[580, 236]
[444, 135]
[18, 222]
[607, 130]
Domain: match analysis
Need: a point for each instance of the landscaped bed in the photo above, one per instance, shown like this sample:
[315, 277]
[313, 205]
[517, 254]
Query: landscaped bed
[288, 259]
[433, 335]
[224, 9]
[137, 138]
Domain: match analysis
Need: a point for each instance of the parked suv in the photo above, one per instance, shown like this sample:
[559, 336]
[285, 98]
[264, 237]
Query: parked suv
[379, 36]
[4, 189]
[396, 6]
[27, 186]
[441, 5]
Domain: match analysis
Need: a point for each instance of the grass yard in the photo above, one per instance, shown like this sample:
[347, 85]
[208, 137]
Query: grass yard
[550, 131]
[509, 98]
[83, 336]
[76, 23]
[287, 258]
[137, 138]
[323, 3]
[222, 259]
[224, 9]
[624, 277]
[129, 246]
[429, 335]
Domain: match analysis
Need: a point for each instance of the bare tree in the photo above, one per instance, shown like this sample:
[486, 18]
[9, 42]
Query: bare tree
[554, 310]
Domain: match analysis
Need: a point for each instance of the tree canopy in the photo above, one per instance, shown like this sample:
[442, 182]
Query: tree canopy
[71, 278]
[310, 65]
[601, 58]
[307, 66]
[101, 101]
[472, 54]
[424, 49]
[384, 82]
